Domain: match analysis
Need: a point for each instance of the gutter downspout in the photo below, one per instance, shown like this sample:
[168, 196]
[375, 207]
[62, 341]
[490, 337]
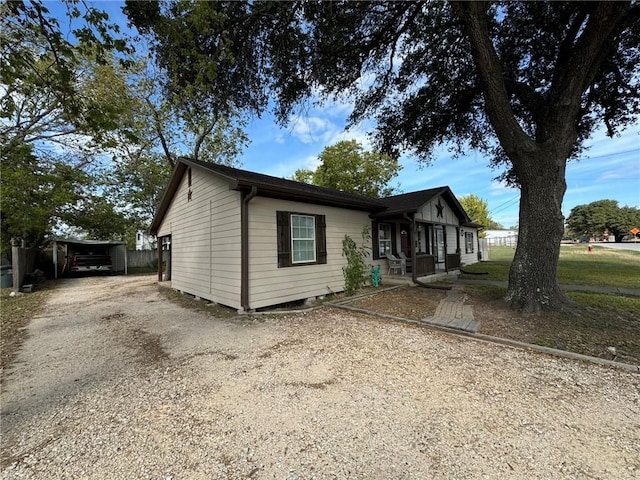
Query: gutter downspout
[412, 221]
[244, 247]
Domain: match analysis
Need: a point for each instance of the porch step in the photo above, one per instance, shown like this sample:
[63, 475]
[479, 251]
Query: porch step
[466, 325]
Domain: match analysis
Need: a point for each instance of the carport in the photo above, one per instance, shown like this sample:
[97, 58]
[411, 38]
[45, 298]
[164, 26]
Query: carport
[64, 248]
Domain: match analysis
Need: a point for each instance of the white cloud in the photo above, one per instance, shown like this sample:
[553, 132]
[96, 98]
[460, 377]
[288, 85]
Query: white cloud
[600, 145]
[357, 133]
[497, 188]
[309, 129]
[311, 162]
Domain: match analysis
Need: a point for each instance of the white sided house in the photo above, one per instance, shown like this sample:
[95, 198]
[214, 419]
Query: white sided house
[250, 241]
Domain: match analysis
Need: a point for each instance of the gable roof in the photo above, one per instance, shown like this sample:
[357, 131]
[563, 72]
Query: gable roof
[411, 203]
[266, 186]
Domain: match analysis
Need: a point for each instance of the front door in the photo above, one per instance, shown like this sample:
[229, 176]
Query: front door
[405, 239]
[440, 250]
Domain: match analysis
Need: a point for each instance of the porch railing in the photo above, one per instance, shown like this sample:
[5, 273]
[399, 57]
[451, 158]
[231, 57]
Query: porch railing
[425, 265]
[452, 261]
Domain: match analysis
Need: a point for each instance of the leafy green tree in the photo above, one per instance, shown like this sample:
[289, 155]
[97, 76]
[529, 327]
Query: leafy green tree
[524, 81]
[135, 185]
[602, 216]
[34, 194]
[478, 210]
[48, 75]
[69, 100]
[303, 175]
[347, 167]
[95, 217]
[59, 99]
[156, 130]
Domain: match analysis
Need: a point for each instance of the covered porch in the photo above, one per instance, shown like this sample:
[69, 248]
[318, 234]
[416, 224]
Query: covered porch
[416, 249]
[422, 235]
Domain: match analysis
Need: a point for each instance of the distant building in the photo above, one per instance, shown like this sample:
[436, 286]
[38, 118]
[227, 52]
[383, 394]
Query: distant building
[144, 241]
[501, 237]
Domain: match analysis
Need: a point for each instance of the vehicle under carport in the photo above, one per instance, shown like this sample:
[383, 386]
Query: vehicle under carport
[65, 249]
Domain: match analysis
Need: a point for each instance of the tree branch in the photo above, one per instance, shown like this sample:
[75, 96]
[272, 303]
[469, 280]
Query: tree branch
[512, 137]
[159, 130]
[577, 69]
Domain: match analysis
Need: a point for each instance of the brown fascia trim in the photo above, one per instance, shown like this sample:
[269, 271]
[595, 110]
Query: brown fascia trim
[167, 196]
[393, 215]
[298, 196]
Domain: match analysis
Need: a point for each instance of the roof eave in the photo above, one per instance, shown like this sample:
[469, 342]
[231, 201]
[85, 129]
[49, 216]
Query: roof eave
[167, 196]
[394, 213]
[265, 190]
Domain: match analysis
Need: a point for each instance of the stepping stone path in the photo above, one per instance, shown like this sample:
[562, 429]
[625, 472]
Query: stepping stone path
[453, 313]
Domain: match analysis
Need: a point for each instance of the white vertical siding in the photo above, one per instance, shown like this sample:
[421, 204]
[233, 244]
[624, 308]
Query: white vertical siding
[270, 285]
[452, 239]
[205, 239]
[429, 212]
[469, 258]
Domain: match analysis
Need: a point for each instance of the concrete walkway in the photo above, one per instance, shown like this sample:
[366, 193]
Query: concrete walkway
[453, 313]
[567, 288]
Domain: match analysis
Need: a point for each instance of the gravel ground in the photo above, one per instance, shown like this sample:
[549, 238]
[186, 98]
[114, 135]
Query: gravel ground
[114, 381]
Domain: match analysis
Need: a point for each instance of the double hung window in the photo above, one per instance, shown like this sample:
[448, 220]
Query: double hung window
[468, 242]
[301, 239]
[384, 239]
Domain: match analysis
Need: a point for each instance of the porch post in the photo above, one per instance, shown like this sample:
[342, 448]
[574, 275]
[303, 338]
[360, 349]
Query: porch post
[414, 258]
[159, 259]
[444, 237]
[55, 259]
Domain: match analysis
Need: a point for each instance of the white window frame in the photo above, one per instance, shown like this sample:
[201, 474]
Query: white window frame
[382, 240]
[306, 239]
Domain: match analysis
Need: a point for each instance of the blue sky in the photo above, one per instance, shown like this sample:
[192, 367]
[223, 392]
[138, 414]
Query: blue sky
[609, 169]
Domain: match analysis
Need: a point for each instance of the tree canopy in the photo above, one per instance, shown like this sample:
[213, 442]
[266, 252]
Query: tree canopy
[348, 167]
[601, 217]
[59, 100]
[88, 135]
[478, 210]
[525, 82]
[49, 77]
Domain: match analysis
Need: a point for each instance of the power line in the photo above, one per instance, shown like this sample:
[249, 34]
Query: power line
[505, 205]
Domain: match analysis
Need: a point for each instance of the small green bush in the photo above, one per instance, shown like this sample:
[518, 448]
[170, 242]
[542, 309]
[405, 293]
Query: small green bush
[356, 272]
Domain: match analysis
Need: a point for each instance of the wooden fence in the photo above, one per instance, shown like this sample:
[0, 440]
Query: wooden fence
[141, 258]
[22, 262]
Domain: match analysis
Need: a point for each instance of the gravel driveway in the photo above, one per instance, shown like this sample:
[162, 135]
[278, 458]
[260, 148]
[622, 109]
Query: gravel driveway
[115, 381]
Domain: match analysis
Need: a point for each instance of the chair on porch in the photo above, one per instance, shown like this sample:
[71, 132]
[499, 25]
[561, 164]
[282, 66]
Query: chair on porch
[396, 264]
[407, 261]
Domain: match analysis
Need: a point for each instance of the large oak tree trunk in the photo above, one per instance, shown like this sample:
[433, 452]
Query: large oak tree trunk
[533, 281]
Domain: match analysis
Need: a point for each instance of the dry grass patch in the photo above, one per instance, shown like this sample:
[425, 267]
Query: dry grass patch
[15, 314]
[598, 322]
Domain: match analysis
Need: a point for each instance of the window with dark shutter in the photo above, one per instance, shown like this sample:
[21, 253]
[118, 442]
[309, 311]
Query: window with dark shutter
[284, 239]
[468, 242]
[301, 239]
[321, 240]
[383, 238]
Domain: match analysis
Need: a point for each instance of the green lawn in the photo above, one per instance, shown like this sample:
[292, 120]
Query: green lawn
[603, 266]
